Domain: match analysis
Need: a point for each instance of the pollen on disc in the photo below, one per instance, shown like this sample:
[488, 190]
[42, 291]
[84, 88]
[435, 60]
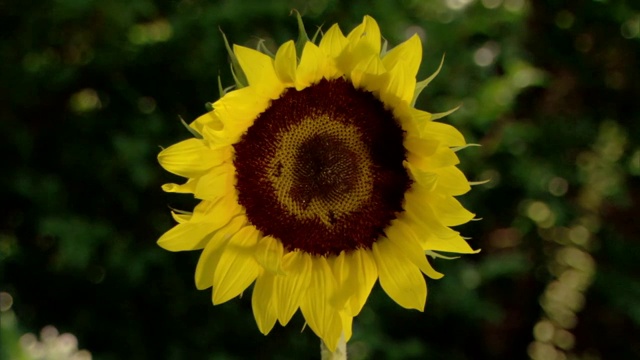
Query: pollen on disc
[322, 169]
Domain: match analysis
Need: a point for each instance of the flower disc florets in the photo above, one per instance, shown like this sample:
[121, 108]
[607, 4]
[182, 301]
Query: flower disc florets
[322, 169]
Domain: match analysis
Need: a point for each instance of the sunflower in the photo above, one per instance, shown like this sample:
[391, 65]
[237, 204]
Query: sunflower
[318, 177]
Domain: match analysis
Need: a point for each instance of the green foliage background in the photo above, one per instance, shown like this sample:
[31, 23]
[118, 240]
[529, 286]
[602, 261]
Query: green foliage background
[89, 90]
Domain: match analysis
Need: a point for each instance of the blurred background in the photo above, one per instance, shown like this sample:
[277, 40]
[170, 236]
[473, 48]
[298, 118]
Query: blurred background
[90, 90]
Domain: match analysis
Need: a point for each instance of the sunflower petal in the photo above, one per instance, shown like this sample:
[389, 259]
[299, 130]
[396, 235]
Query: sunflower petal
[401, 85]
[286, 62]
[188, 187]
[322, 318]
[333, 42]
[211, 254]
[442, 157]
[444, 133]
[186, 236]
[237, 268]
[259, 70]
[363, 275]
[216, 183]
[207, 120]
[407, 54]
[399, 278]
[405, 240]
[269, 252]
[449, 210]
[313, 66]
[191, 157]
[291, 287]
[451, 181]
[423, 217]
[216, 213]
[455, 244]
[181, 217]
[367, 34]
[239, 108]
[341, 274]
[369, 74]
[262, 302]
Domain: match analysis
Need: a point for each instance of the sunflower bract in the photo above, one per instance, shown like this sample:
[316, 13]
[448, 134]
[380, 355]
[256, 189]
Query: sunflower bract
[318, 178]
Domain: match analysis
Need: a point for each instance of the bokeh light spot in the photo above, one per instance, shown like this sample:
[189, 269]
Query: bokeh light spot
[564, 19]
[6, 301]
[84, 101]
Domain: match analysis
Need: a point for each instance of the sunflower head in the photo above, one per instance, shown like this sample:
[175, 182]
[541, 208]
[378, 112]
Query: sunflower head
[318, 177]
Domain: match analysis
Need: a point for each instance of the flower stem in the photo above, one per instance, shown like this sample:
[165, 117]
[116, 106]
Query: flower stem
[339, 354]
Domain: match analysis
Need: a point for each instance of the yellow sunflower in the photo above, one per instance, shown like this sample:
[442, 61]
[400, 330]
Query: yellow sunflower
[318, 177]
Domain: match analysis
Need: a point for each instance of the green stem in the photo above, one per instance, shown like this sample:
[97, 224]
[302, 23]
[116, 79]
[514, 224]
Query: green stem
[339, 354]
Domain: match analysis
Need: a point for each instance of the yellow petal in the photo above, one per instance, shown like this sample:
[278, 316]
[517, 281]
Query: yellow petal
[209, 120]
[188, 187]
[343, 286]
[237, 268]
[322, 318]
[187, 236]
[442, 157]
[191, 157]
[423, 217]
[181, 217]
[451, 181]
[216, 213]
[269, 252]
[421, 147]
[369, 74]
[260, 71]
[362, 276]
[399, 278]
[286, 62]
[400, 87]
[363, 42]
[211, 254]
[291, 287]
[333, 42]
[455, 244]
[216, 183]
[449, 210]
[425, 230]
[262, 302]
[403, 237]
[409, 53]
[366, 34]
[446, 134]
[238, 109]
[423, 180]
[313, 66]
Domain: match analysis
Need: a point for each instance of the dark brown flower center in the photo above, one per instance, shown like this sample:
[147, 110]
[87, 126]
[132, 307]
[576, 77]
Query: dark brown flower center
[321, 169]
